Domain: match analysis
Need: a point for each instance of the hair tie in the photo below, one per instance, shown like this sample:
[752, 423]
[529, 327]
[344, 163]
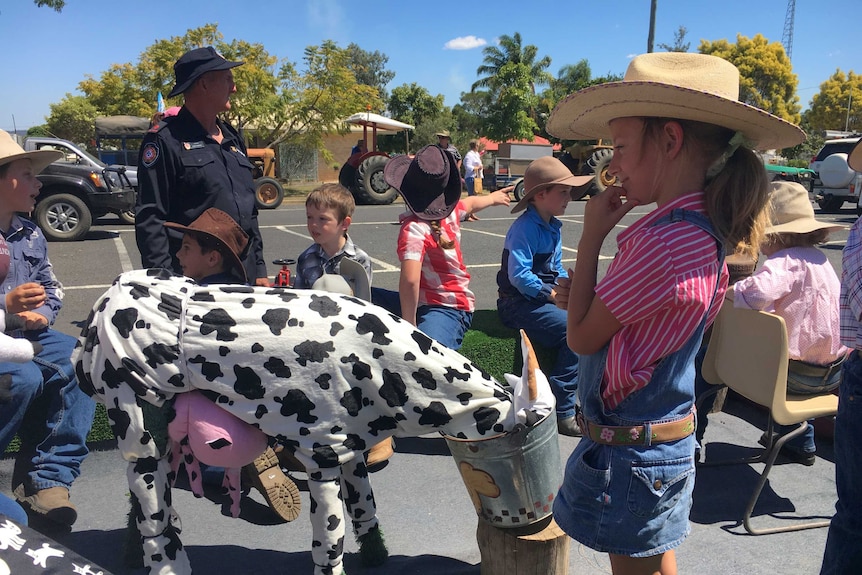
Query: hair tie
[735, 142]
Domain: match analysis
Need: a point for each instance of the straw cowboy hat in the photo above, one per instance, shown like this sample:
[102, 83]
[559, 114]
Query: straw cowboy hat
[352, 279]
[671, 85]
[11, 151]
[443, 134]
[854, 160]
[194, 64]
[429, 183]
[545, 172]
[221, 227]
[792, 212]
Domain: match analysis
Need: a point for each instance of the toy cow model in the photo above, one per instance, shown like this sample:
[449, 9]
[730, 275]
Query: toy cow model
[327, 375]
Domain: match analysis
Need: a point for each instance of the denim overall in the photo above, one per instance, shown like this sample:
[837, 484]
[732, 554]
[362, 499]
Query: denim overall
[635, 500]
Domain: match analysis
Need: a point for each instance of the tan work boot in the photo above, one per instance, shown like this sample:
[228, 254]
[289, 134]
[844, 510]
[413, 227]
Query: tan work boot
[379, 453]
[279, 490]
[52, 504]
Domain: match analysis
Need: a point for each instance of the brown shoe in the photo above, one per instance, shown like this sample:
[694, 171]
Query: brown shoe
[279, 490]
[52, 504]
[379, 453]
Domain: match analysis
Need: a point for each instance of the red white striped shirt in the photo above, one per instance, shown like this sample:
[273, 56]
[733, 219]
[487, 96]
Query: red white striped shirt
[445, 280]
[659, 287]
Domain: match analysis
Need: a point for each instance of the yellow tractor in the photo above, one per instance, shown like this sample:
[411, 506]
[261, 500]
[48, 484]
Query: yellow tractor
[268, 192]
[584, 158]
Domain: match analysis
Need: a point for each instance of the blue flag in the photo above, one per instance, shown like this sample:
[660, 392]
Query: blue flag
[160, 103]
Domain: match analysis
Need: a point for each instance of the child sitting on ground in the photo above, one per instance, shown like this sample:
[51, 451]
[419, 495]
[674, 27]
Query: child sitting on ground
[532, 262]
[799, 284]
[211, 254]
[434, 283]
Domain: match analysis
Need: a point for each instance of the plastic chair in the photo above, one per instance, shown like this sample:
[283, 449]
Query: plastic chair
[748, 354]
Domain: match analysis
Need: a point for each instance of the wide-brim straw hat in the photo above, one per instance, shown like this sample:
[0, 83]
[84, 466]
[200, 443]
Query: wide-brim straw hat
[675, 85]
[221, 227]
[10, 151]
[792, 212]
[545, 172]
[854, 160]
[352, 279]
[429, 183]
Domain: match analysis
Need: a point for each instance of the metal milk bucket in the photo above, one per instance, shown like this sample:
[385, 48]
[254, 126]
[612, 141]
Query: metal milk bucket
[512, 478]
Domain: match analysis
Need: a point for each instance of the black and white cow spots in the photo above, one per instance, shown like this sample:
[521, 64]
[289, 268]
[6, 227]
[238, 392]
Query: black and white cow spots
[327, 375]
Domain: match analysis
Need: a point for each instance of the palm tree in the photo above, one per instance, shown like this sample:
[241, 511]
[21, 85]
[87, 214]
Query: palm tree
[511, 51]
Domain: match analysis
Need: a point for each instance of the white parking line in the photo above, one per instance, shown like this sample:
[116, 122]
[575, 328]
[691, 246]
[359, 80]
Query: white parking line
[125, 261]
[385, 267]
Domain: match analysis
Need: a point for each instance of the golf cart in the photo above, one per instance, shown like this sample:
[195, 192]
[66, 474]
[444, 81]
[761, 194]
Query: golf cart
[362, 173]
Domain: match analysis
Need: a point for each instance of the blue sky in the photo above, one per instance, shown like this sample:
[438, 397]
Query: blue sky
[437, 45]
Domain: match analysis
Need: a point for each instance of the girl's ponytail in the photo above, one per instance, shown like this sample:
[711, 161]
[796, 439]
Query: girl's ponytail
[442, 242]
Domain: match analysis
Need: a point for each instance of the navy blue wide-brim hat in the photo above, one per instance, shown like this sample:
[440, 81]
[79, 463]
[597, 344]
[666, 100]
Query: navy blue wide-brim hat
[195, 63]
[429, 183]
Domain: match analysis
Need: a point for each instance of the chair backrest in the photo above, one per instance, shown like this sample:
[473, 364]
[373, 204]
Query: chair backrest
[748, 353]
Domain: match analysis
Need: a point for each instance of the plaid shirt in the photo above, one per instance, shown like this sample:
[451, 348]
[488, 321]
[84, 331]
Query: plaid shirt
[314, 262]
[851, 289]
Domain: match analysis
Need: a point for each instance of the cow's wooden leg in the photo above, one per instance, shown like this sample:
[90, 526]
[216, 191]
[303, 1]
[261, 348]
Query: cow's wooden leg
[359, 499]
[327, 521]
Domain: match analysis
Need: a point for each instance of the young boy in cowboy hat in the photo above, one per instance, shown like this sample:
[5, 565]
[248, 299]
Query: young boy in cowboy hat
[799, 284]
[434, 283]
[44, 391]
[211, 253]
[682, 141]
[531, 263]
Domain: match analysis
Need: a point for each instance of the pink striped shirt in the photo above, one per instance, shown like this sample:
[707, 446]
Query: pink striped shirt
[659, 287]
[445, 280]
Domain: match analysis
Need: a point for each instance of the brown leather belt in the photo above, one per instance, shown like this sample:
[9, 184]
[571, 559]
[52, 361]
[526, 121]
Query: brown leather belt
[647, 434]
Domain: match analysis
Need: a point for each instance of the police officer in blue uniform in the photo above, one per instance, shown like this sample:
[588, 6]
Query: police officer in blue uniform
[194, 161]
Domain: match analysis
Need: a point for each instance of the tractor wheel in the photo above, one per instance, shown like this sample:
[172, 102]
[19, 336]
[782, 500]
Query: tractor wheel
[63, 217]
[371, 187]
[268, 193]
[519, 190]
[127, 216]
[599, 162]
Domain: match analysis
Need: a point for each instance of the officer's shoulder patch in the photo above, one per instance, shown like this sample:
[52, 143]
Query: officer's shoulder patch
[149, 154]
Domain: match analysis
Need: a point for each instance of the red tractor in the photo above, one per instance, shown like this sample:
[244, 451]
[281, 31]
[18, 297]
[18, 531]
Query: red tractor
[362, 173]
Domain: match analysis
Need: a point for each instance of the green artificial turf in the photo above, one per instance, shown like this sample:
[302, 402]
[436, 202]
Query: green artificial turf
[489, 344]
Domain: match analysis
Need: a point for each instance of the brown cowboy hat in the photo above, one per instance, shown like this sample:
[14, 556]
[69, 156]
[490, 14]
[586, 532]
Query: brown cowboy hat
[671, 85]
[854, 160]
[545, 172]
[11, 151]
[224, 229]
[791, 210]
[429, 183]
[194, 64]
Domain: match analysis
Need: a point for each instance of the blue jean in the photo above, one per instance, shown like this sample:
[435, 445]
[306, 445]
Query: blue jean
[470, 182]
[10, 508]
[58, 414]
[545, 324]
[387, 299]
[843, 553]
[445, 324]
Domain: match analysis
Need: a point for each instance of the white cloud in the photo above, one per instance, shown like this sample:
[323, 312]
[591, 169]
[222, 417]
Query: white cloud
[464, 43]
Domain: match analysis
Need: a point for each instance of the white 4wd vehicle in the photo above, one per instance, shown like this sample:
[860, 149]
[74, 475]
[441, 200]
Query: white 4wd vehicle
[834, 182]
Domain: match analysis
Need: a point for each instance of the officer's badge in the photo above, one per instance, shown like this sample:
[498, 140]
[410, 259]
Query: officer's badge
[149, 154]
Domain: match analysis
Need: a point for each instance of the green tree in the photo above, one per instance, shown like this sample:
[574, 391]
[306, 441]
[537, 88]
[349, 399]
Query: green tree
[315, 102]
[57, 5]
[369, 68]
[414, 104]
[838, 104]
[471, 112]
[766, 75]
[72, 119]
[511, 74]
[679, 43]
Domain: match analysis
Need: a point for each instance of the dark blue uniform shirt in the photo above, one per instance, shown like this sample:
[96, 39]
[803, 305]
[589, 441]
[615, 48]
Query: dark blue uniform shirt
[182, 171]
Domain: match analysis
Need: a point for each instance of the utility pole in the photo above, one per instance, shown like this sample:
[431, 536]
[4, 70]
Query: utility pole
[651, 37]
[787, 36]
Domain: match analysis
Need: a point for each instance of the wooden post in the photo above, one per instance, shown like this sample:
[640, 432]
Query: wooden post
[540, 549]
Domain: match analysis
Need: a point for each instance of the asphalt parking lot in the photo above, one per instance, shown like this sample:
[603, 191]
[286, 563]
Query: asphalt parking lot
[424, 509]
